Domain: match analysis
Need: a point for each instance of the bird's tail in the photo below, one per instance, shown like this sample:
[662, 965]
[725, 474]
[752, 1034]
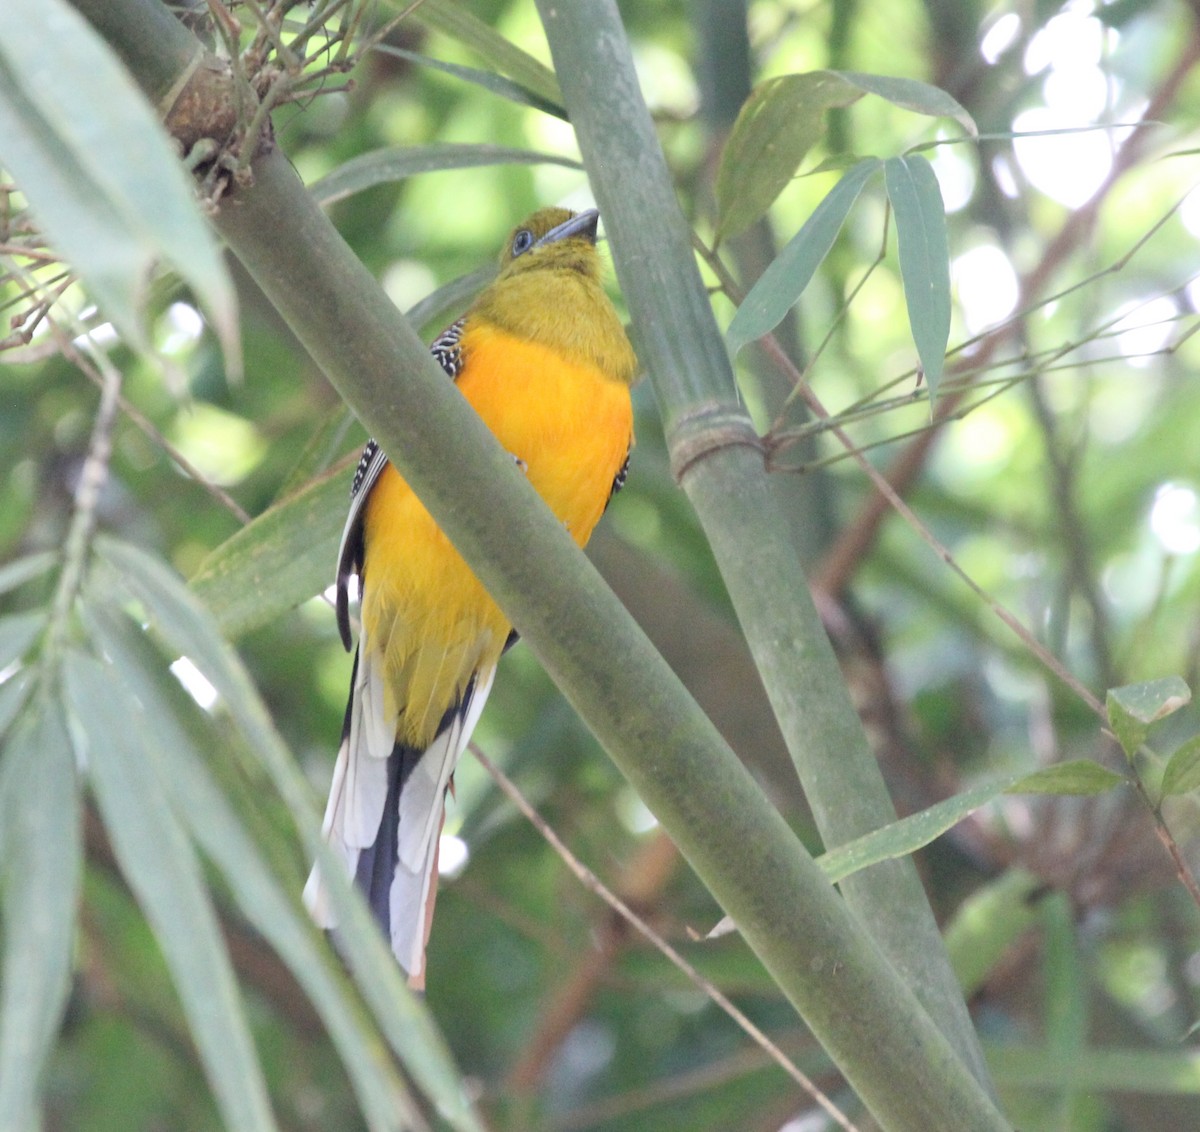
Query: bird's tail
[386, 815]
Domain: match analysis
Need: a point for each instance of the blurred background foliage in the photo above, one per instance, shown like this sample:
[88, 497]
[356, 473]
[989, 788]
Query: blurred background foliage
[1068, 491]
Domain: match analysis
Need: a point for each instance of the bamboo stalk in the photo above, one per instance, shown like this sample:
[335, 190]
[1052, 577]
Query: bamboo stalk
[718, 463]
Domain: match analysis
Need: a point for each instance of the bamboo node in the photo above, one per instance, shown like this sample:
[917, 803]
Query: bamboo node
[708, 428]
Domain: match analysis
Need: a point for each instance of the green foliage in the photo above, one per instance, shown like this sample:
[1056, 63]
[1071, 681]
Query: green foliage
[112, 220]
[158, 968]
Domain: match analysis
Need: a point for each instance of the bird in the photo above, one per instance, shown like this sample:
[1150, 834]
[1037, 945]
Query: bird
[542, 356]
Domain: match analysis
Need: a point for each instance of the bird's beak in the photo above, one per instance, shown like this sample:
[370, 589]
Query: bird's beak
[581, 224]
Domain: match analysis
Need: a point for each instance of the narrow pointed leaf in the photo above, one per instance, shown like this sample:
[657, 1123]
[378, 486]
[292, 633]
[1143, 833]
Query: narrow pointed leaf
[178, 616]
[1182, 774]
[913, 95]
[1077, 777]
[174, 752]
[914, 832]
[924, 257]
[17, 633]
[908, 834]
[21, 570]
[282, 558]
[489, 80]
[442, 306]
[40, 865]
[395, 163]
[1134, 707]
[781, 121]
[1166, 1072]
[157, 860]
[456, 21]
[988, 922]
[13, 692]
[64, 114]
[779, 287]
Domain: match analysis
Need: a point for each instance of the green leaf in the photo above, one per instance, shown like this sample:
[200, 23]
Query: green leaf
[908, 834]
[917, 830]
[1078, 776]
[282, 558]
[324, 447]
[178, 616]
[65, 116]
[445, 304]
[909, 94]
[988, 922]
[456, 21]
[395, 163]
[780, 122]
[1182, 774]
[21, 570]
[489, 80]
[40, 866]
[182, 766]
[13, 692]
[17, 633]
[1134, 707]
[158, 862]
[778, 289]
[924, 257]
[1167, 1072]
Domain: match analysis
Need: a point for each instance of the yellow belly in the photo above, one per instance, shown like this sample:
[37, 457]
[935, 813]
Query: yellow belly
[423, 610]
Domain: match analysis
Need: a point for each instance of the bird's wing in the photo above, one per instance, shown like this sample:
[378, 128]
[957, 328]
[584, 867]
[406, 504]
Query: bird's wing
[447, 350]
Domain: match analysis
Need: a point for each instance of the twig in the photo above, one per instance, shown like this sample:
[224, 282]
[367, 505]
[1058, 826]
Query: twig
[593, 883]
[83, 517]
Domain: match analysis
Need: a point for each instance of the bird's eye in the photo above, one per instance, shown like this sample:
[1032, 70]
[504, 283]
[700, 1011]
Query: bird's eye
[522, 242]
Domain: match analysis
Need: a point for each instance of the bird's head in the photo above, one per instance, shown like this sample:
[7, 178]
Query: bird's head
[553, 238]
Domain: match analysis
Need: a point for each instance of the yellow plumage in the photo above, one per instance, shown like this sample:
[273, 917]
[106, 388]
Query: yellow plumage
[543, 359]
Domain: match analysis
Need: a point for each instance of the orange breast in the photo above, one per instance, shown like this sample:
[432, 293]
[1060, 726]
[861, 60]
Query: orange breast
[422, 608]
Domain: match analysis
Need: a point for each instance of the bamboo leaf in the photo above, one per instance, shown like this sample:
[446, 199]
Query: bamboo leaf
[395, 163]
[17, 633]
[1167, 1072]
[445, 304]
[1182, 774]
[489, 80]
[324, 447]
[178, 616]
[64, 114]
[988, 922]
[13, 692]
[21, 570]
[780, 122]
[913, 95]
[157, 861]
[1134, 707]
[924, 257]
[456, 21]
[40, 865]
[1080, 776]
[779, 287]
[908, 834]
[213, 822]
[282, 558]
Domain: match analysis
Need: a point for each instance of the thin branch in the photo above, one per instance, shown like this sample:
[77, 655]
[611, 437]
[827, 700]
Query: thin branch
[594, 885]
[92, 477]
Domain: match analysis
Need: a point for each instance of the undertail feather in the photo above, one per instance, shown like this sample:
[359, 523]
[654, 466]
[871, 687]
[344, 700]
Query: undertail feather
[377, 864]
[386, 814]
